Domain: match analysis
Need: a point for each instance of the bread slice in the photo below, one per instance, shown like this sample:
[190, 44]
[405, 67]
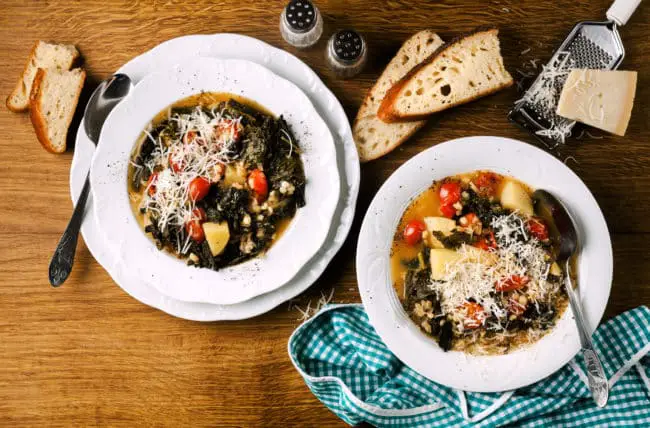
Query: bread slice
[53, 101]
[458, 72]
[375, 138]
[44, 55]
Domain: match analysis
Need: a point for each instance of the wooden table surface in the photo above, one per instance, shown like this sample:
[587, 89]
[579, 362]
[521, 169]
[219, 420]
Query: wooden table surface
[88, 354]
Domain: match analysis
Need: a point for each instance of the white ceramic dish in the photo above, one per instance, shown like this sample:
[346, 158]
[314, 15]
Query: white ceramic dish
[170, 275]
[455, 369]
[286, 65]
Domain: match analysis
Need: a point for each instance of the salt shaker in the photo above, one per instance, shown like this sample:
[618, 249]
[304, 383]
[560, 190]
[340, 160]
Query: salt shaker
[346, 53]
[301, 23]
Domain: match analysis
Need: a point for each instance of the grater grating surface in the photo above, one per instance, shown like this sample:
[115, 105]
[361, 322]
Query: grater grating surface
[594, 45]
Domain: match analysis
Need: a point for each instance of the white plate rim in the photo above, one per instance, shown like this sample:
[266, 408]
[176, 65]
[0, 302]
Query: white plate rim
[404, 338]
[282, 63]
[170, 275]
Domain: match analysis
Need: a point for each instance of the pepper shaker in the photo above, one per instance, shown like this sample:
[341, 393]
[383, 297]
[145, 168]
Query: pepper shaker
[301, 23]
[346, 53]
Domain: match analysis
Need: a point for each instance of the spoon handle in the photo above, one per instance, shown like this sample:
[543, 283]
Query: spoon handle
[63, 258]
[595, 374]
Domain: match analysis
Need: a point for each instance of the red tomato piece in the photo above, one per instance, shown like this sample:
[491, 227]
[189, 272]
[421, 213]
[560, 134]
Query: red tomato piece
[195, 230]
[199, 188]
[487, 241]
[449, 193]
[258, 184]
[515, 282]
[474, 315]
[229, 128]
[447, 211]
[189, 136]
[151, 184]
[413, 232]
[487, 183]
[514, 307]
[176, 165]
[537, 228]
[199, 214]
[468, 219]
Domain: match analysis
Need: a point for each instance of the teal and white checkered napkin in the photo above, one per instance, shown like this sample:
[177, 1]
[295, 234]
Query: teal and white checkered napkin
[349, 369]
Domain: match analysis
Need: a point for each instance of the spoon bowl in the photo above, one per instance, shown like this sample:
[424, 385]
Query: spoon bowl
[105, 97]
[563, 234]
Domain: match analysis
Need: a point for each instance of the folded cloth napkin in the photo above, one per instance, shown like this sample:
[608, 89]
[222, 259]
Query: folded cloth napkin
[350, 370]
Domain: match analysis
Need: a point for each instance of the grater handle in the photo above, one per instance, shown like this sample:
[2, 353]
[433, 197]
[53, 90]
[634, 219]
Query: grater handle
[621, 10]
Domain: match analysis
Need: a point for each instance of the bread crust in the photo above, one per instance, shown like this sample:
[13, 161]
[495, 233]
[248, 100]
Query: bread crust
[387, 112]
[361, 114]
[18, 86]
[36, 114]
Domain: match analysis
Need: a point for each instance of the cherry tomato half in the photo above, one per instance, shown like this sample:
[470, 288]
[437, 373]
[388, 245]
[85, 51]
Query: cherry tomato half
[474, 315]
[199, 214]
[195, 230]
[468, 219]
[447, 211]
[258, 184]
[514, 307]
[487, 183]
[515, 282]
[189, 136]
[151, 184]
[229, 128]
[413, 232]
[487, 241]
[537, 228]
[449, 193]
[176, 166]
[199, 188]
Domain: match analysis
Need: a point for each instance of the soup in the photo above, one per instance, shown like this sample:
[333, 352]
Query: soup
[215, 179]
[474, 267]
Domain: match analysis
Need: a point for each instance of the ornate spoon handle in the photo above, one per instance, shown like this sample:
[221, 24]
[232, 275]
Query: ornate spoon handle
[596, 375]
[63, 258]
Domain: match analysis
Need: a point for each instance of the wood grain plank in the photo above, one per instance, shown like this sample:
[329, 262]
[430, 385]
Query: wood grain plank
[88, 354]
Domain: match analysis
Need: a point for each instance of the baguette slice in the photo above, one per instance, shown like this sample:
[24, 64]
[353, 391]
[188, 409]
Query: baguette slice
[375, 138]
[53, 101]
[44, 55]
[458, 72]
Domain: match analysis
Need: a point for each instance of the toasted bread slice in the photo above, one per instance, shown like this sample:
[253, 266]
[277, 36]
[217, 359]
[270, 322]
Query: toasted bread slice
[458, 72]
[44, 55]
[53, 101]
[375, 138]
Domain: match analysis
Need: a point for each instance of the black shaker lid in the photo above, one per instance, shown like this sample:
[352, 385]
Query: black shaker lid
[300, 15]
[348, 45]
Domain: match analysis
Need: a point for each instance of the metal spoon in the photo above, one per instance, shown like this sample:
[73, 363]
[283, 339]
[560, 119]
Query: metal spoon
[564, 233]
[107, 95]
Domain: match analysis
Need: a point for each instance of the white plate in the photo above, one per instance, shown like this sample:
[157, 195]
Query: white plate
[456, 369]
[170, 275]
[286, 65]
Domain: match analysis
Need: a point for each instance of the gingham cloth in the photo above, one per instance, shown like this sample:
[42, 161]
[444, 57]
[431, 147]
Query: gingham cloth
[351, 371]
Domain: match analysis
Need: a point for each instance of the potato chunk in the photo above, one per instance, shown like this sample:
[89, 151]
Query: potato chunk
[235, 173]
[515, 197]
[217, 235]
[440, 224]
[440, 258]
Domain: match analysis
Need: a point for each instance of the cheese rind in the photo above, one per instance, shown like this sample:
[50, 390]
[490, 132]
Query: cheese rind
[599, 98]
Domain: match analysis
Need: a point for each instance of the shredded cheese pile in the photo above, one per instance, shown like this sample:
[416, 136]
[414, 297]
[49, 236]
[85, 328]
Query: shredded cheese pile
[545, 92]
[474, 275]
[201, 147]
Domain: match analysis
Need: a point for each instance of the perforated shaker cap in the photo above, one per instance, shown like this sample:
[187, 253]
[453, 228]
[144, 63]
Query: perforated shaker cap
[348, 45]
[300, 15]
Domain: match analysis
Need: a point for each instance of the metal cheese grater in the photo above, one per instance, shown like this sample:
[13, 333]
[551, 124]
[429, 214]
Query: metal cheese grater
[590, 44]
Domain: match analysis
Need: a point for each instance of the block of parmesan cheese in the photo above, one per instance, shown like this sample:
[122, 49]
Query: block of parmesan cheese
[599, 98]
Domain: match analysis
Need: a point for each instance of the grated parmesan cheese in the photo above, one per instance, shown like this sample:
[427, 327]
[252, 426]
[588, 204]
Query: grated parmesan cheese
[201, 146]
[474, 276]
